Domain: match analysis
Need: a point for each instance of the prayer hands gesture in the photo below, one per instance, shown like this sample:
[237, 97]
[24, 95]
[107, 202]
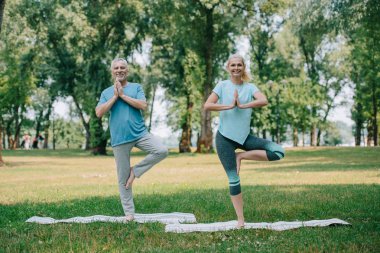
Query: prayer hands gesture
[118, 89]
[236, 101]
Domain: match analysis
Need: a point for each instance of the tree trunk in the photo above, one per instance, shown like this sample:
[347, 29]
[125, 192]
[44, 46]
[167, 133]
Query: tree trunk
[47, 125]
[38, 129]
[205, 139]
[369, 134]
[85, 124]
[375, 129]
[295, 137]
[4, 139]
[313, 135]
[9, 134]
[99, 140]
[185, 142]
[303, 137]
[358, 131]
[2, 6]
[264, 134]
[319, 133]
[151, 108]
[1, 146]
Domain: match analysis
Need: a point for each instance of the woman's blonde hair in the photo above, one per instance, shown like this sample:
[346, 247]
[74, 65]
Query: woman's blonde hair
[245, 76]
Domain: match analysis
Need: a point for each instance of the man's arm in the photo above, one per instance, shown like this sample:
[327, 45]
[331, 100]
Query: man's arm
[104, 108]
[137, 103]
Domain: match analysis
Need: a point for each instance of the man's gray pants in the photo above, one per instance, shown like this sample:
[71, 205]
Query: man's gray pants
[156, 152]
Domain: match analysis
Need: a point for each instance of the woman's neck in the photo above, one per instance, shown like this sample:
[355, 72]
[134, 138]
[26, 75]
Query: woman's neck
[236, 80]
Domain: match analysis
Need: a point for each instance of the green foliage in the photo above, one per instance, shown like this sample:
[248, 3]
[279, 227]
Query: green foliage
[68, 134]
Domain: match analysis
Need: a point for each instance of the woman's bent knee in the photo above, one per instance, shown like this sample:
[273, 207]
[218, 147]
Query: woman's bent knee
[276, 155]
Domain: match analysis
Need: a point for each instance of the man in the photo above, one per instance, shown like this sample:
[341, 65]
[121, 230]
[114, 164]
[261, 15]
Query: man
[125, 101]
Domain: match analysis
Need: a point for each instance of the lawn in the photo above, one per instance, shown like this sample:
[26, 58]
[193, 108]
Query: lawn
[313, 183]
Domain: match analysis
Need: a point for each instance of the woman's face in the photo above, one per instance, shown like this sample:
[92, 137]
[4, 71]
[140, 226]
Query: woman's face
[235, 67]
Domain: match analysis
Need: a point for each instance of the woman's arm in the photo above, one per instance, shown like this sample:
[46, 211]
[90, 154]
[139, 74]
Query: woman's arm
[212, 105]
[260, 101]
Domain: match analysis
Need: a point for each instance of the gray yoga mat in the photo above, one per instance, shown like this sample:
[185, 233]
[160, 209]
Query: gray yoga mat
[166, 218]
[230, 225]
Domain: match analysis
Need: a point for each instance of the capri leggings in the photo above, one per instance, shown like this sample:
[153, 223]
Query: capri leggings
[226, 152]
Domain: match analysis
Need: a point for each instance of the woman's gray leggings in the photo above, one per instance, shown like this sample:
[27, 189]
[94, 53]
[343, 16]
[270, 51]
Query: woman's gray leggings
[226, 152]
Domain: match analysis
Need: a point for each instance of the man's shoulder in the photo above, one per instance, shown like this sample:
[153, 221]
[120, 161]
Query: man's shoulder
[108, 89]
[134, 85]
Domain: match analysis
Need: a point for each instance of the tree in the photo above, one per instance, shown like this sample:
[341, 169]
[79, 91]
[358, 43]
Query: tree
[17, 78]
[2, 6]
[310, 27]
[82, 39]
[360, 22]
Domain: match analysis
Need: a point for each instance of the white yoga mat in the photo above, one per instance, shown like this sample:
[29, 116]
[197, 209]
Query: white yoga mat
[166, 218]
[230, 225]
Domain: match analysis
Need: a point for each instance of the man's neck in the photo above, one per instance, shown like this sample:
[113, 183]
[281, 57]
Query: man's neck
[124, 83]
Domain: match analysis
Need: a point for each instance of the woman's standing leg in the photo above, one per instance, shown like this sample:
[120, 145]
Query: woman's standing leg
[226, 152]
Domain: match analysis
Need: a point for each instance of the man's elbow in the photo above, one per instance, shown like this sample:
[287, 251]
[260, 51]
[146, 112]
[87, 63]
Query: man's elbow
[265, 102]
[206, 107]
[98, 113]
[144, 106]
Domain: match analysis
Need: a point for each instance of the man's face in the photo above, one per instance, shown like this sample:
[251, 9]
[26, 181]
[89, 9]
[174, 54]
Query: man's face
[120, 71]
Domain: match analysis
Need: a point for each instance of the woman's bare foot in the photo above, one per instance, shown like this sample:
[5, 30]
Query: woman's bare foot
[240, 224]
[238, 161]
[129, 217]
[130, 179]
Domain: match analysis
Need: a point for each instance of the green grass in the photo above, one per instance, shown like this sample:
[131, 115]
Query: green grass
[309, 184]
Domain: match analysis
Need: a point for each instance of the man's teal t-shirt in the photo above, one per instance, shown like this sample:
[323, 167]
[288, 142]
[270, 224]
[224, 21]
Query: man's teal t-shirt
[126, 122]
[235, 123]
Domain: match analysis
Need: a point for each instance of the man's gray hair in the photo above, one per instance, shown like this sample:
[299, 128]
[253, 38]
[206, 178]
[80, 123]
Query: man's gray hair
[118, 60]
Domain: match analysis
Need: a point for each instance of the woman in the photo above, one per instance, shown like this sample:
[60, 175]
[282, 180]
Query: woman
[236, 99]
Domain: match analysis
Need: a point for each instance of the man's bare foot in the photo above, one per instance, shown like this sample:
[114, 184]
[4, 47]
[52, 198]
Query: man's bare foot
[130, 179]
[129, 217]
[238, 161]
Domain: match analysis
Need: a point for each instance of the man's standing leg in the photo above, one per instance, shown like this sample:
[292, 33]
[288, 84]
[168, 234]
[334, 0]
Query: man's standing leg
[156, 153]
[123, 164]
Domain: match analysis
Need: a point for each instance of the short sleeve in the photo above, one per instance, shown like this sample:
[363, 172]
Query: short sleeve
[102, 99]
[254, 89]
[218, 89]
[140, 93]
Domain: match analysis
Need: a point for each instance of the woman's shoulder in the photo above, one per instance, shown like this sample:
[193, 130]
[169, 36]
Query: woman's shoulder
[251, 85]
